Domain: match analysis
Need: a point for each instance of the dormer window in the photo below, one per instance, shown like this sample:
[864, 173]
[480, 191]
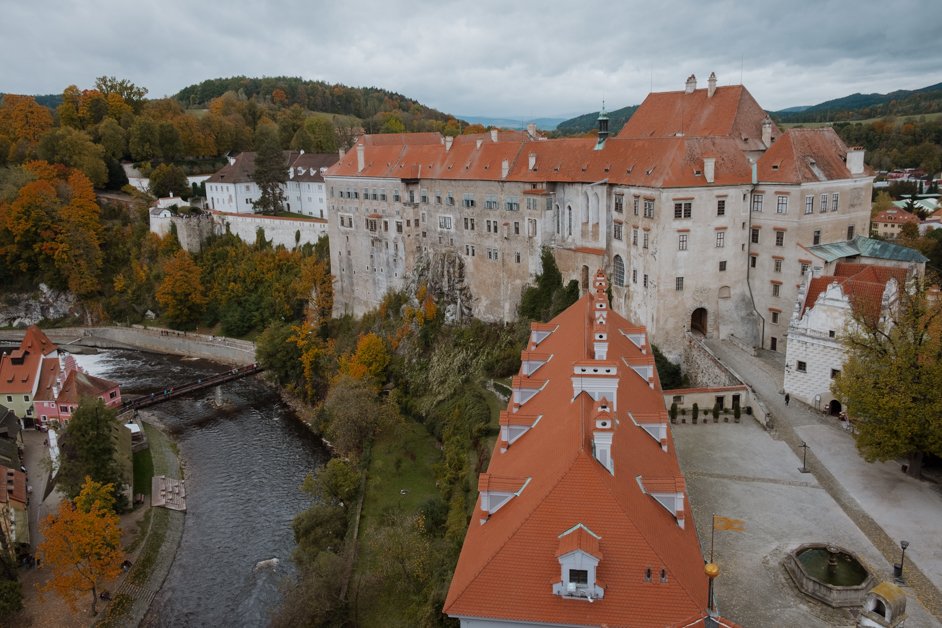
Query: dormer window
[578, 557]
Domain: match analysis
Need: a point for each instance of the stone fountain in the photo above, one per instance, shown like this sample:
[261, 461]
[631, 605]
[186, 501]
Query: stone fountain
[829, 573]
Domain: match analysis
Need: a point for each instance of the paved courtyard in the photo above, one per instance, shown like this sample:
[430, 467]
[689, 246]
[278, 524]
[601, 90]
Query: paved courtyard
[741, 471]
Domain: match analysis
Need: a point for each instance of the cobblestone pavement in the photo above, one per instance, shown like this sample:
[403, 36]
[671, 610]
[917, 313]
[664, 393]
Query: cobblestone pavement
[852, 482]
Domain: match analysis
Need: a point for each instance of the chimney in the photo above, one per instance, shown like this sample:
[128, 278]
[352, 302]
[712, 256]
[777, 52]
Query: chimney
[360, 158]
[531, 161]
[691, 84]
[709, 169]
[602, 436]
[855, 160]
[231, 160]
[531, 130]
[767, 131]
[755, 171]
[504, 168]
[448, 141]
[301, 152]
[493, 135]
[711, 85]
[478, 142]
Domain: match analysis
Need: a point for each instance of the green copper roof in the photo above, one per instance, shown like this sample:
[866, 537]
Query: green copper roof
[867, 247]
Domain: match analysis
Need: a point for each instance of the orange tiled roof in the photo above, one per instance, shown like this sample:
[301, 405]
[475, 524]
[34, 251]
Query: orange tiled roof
[49, 371]
[804, 155]
[895, 215]
[79, 384]
[13, 487]
[20, 368]
[508, 564]
[863, 284]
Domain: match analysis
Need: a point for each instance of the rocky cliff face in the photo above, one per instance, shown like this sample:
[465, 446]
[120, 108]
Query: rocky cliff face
[444, 273]
[24, 309]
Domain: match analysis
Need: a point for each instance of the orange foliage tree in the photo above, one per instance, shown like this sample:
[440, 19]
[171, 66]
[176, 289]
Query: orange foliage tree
[181, 293]
[82, 544]
[369, 361]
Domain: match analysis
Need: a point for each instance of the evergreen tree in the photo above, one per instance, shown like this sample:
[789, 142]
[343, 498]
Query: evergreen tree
[270, 170]
[87, 449]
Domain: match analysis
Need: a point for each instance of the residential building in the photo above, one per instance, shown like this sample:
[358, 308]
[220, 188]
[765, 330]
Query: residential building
[11, 439]
[19, 371]
[63, 384]
[582, 517]
[826, 308]
[14, 518]
[698, 210]
[888, 223]
[233, 189]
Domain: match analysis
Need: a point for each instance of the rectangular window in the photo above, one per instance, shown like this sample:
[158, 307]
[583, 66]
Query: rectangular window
[834, 201]
[817, 237]
[385, 225]
[779, 238]
[850, 232]
[648, 208]
[809, 204]
[645, 240]
[824, 203]
[438, 198]
[396, 196]
[757, 202]
[423, 196]
[775, 318]
[382, 195]
[678, 283]
[469, 200]
[804, 269]
[490, 202]
[781, 205]
[723, 266]
[802, 367]
[634, 236]
[531, 227]
[681, 241]
[619, 203]
[517, 257]
[755, 235]
[637, 201]
[493, 254]
[752, 261]
[831, 333]
[398, 226]
[512, 204]
[634, 275]
[778, 265]
[682, 210]
[645, 280]
[516, 227]
[579, 576]
[469, 250]
[444, 222]
[616, 231]
[776, 289]
[720, 239]
[531, 203]
[721, 207]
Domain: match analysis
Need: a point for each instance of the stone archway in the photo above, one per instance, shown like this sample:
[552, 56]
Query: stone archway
[699, 320]
[834, 407]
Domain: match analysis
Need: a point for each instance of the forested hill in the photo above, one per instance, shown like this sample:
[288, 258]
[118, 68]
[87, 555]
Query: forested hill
[589, 122]
[361, 102]
[865, 106]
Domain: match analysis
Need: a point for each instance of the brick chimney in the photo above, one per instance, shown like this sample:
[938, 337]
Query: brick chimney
[691, 84]
[767, 132]
[361, 160]
[709, 169]
[531, 161]
[504, 167]
[711, 85]
[855, 160]
[448, 141]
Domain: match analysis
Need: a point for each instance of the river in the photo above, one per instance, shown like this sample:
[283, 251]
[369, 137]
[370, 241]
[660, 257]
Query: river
[245, 456]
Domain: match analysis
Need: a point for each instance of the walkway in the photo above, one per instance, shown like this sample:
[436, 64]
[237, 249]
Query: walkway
[885, 504]
[172, 392]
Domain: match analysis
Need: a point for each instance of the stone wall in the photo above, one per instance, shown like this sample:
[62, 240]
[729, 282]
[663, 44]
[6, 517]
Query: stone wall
[283, 231]
[702, 367]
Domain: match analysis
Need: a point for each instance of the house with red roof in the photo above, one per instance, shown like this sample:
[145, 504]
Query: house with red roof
[14, 519]
[582, 517]
[888, 223]
[697, 210]
[63, 384]
[826, 308]
[20, 371]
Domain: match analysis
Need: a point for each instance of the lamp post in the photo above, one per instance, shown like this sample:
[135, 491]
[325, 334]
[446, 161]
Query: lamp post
[804, 457]
[898, 567]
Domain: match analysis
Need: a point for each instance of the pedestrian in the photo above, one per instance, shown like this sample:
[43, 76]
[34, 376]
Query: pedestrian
[787, 398]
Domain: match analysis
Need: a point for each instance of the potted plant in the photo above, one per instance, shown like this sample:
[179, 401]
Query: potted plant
[696, 413]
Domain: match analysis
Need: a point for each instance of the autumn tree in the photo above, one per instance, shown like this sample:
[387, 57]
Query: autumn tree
[112, 137]
[181, 293]
[123, 88]
[270, 170]
[82, 544]
[167, 179]
[369, 361]
[75, 148]
[78, 255]
[23, 122]
[87, 449]
[352, 413]
[892, 379]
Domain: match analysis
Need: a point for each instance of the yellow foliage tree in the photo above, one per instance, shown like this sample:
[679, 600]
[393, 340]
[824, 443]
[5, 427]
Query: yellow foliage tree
[369, 361]
[82, 544]
[181, 294]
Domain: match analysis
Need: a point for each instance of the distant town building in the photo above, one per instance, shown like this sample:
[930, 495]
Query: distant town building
[582, 517]
[888, 223]
[824, 311]
[14, 519]
[699, 210]
[20, 370]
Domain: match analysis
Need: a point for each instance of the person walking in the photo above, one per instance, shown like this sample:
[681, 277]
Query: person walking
[787, 398]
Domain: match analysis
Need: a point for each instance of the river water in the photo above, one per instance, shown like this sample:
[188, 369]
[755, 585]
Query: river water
[245, 457]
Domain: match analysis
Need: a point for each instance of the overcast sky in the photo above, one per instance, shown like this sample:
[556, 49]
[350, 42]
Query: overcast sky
[494, 58]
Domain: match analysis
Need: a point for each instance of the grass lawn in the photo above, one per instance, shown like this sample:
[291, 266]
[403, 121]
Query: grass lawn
[293, 215]
[401, 459]
[143, 471]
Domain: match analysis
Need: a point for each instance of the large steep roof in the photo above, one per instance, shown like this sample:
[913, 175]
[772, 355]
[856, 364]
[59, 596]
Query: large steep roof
[509, 562]
[20, 368]
[805, 156]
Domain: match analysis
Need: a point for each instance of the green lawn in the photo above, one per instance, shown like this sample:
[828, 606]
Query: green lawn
[293, 215]
[143, 471]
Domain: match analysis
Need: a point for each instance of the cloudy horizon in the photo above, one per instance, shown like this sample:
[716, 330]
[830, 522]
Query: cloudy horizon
[534, 59]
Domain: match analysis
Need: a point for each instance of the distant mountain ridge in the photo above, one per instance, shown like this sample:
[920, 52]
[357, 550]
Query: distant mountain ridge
[589, 122]
[546, 124]
[863, 106]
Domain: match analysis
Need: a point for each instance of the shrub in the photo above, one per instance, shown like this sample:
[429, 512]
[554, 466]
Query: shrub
[673, 412]
[696, 412]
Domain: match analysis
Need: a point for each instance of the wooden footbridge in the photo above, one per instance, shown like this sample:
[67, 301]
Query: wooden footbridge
[173, 392]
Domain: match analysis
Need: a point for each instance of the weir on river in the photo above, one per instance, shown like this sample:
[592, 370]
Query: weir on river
[174, 391]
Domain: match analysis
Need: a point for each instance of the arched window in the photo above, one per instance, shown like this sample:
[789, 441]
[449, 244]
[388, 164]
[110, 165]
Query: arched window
[619, 274]
[569, 220]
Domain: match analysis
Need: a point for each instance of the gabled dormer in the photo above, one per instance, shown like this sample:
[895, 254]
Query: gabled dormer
[598, 378]
[668, 492]
[530, 361]
[513, 425]
[637, 338]
[644, 367]
[655, 426]
[603, 431]
[540, 332]
[496, 491]
[579, 554]
[524, 389]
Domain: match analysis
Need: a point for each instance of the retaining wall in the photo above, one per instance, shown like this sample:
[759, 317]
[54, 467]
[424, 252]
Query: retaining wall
[703, 368]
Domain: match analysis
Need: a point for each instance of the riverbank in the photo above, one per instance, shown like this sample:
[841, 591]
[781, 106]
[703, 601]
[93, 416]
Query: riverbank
[153, 553]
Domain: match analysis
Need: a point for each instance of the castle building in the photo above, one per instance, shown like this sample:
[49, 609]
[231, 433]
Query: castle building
[582, 517]
[699, 210]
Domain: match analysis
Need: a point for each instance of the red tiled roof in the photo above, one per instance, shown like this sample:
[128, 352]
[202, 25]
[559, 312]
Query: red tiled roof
[13, 487]
[508, 564]
[579, 538]
[79, 384]
[20, 368]
[804, 155]
[895, 215]
[863, 284]
[47, 379]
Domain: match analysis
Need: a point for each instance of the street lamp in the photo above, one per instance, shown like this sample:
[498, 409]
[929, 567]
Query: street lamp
[898, 567]
[804, 457]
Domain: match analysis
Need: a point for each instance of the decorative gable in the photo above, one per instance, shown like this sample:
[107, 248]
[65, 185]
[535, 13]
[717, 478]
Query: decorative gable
[531, 361]
[656, 428]
[579, 554]
[540, 332]
[524, 389]
[496, 491]
[668, 492]
[514, 425]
